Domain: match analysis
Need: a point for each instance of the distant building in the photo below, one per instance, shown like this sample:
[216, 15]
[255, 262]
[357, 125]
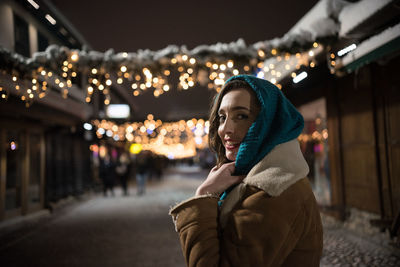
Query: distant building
[43, 154]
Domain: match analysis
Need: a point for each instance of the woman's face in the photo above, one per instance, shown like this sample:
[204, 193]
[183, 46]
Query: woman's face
[236, 114]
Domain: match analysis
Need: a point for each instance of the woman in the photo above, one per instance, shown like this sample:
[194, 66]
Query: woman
[256, 207]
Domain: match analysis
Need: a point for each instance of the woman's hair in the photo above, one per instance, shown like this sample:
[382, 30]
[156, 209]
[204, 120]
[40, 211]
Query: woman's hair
[214, 140]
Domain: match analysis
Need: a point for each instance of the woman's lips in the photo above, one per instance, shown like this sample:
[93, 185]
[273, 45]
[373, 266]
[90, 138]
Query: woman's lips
[231, 145]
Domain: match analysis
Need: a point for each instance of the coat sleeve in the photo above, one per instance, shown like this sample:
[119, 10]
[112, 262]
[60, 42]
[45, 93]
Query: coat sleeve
[196, 223]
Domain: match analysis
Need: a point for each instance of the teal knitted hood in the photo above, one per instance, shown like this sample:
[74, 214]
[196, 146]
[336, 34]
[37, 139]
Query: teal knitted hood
[278, 122]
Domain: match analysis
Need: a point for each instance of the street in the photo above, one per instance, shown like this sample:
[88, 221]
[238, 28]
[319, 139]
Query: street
[137, 231]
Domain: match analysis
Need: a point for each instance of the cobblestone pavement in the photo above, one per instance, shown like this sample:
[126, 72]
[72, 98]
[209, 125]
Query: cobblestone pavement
[137, 231]
[348, 247]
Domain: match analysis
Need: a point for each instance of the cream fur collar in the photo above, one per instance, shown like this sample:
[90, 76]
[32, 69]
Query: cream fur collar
[277, 171]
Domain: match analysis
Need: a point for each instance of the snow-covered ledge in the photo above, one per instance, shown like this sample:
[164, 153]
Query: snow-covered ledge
[370, 45]
[354, 14]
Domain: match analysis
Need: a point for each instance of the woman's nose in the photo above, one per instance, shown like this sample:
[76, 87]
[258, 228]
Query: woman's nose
[228, 126]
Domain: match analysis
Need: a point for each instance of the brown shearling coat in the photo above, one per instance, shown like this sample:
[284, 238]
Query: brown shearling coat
[271, 219]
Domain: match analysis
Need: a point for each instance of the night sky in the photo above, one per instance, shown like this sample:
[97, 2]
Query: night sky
[132, 25]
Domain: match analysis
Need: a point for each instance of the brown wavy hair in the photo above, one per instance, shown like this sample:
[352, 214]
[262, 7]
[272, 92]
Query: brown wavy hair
[214, 141]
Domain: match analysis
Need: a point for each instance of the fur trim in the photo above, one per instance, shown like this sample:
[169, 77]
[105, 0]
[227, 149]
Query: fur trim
[279, 169]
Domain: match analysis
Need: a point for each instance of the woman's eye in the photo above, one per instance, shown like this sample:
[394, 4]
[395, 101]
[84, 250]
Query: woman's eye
[221, 118]
[242, 116]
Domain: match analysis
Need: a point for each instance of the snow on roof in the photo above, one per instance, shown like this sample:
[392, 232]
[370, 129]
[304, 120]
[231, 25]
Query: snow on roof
[354, 14]
[319, 20]
[372, 43]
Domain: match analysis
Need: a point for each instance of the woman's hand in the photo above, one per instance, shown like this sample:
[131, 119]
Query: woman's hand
[219, 179]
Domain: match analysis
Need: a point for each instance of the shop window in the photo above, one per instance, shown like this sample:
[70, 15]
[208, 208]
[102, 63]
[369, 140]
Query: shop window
[14, 170]
[21, 36]
[314, 145]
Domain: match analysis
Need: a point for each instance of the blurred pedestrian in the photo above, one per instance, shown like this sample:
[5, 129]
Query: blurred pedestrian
[122, 171]
[107, 174]
[142, 171]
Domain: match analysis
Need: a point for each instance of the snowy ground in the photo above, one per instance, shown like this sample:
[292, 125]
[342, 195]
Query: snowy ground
[137, 231]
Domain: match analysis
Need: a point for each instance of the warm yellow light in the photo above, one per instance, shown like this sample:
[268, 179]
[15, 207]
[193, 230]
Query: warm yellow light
[49, 74]
[312, 64]
[315, 44]
[173, 60]
[279, 86]
[74, 56]
[230, 64]
[61, 85]
[311, 53]
[94, 71]
[101, 87]
[166, 88]
[136, 93]
[215, 66]
[167, 72]
[134, 86]
[332, 55]
[261, 53]
[120, 80]
[43, 72]
[106, 102]
[184, 57]
[123, 68]
[73, 74]
[156, 93]
[65, 63]
[124, 54]
[135, 148]
[108, 82]
[180, 69]
[142, 86]
[14, 78]
[192, 61]
[95, 81]
[246, 68]
[293, 74]
[333, 63]
[273, 80]
[222, 67]
[64, 74]
[221, 75]
[191, 83]
[90, 89]
[287, 67]
[273, 51]
[190, 70]
[126, 75]
[209, 64]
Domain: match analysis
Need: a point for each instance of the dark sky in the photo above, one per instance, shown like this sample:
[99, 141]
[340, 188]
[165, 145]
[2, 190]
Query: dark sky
[131, 25]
